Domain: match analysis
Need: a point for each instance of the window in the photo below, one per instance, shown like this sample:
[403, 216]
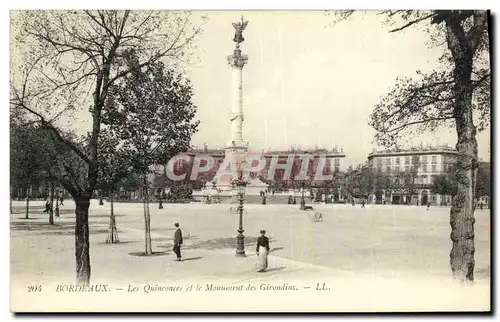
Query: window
[379, 161]
[388, 168]
[424, 179]
[397, 161]
[407, 168]
[388, 161]
[434, 168]
[424, 159]
[434, 159]
[424, 167]
[407, 160]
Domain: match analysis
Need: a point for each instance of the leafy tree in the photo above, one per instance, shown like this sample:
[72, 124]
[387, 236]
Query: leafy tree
[483, 180]
[361, 182]
[179, 193]
[444, 184]
[448, 96]
[447, 183]
[160, 183]
[152, 115]
[24, 166]
[130, 183]
[31, 159]
[62, 56]
[113, 169]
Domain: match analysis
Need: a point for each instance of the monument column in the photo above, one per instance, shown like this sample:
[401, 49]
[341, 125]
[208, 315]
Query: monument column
[236, 148]
[237, 61]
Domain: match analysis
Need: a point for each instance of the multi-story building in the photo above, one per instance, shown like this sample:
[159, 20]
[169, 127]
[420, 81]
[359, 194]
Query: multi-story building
[421, 165]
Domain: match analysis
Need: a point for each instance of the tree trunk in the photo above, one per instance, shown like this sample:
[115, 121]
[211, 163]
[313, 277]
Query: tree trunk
[27, 203]
[462, 210]
[51, 211]
[57, 203]
[147, 219]
[112, 232]
[82, 245]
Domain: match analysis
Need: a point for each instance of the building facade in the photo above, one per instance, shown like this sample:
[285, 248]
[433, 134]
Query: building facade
[421, 165]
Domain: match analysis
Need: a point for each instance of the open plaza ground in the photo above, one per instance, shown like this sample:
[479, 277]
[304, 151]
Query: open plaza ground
[382, 257]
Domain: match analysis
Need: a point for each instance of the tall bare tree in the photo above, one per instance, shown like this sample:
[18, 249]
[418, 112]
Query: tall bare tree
[68, 60]
[457, 94]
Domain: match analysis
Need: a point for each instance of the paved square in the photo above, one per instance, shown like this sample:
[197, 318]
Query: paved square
[352, 245]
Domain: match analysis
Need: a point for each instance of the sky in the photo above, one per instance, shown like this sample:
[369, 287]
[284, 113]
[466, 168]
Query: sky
[307, 82]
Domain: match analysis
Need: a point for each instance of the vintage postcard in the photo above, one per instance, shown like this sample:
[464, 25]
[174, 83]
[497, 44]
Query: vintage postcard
[250, 161]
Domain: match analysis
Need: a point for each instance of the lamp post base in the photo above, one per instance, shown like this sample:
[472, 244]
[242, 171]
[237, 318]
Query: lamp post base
[240, 244]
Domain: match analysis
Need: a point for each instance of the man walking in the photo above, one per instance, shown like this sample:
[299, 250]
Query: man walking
[177, 241]
[47, 207]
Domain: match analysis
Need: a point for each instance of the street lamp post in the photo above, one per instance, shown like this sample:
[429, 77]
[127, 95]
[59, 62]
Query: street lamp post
[240, 238]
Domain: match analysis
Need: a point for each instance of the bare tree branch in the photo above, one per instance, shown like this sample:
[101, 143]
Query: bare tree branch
[408, 24]
[399, 128]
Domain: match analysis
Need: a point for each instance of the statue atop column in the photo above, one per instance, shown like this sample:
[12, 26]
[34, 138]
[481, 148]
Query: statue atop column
[237, 59]
[238, 34]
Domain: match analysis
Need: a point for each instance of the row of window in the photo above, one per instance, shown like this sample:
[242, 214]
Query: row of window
[408, 160]
[423, 179]
[408, 168]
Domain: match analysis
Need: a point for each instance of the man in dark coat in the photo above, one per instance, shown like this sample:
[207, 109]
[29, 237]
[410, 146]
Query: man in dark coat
[47, 207]
[177, 241]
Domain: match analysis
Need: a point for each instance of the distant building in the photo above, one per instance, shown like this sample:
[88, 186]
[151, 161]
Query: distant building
[430, 162]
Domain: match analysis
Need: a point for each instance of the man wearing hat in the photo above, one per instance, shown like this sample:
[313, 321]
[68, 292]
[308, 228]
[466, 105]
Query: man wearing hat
[177, 241]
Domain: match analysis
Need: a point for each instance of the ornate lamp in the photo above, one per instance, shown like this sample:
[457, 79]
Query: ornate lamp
[240, 186]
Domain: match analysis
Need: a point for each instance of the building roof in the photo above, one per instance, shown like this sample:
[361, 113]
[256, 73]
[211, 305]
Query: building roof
[443, 149]
[335, 152]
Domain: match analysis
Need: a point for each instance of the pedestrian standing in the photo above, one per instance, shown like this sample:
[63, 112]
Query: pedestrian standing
[177, 241]
[428, 205]
[262, 251]
[363, 203]
[62, 201]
